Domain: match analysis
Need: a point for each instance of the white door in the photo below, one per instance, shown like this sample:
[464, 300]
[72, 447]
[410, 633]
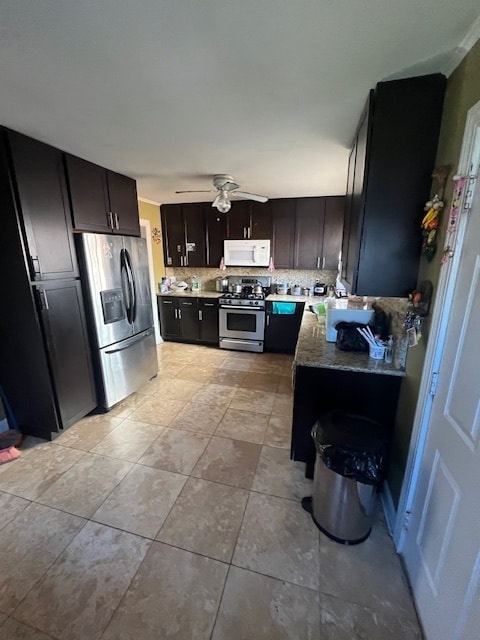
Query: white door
[442, 545]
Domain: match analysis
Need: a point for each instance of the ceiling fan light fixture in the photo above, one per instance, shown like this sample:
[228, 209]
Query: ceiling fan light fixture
[222, 202]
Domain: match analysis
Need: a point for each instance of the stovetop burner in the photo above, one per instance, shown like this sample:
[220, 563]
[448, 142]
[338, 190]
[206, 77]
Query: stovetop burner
[255, 300]
[243, 296]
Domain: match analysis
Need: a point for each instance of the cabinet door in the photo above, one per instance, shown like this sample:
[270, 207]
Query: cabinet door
[216, 232]
[283, 235]
[309, 233]
[348, 213]
[122, 192]
[173, 234]
[281, 330]
[188, 313]
[208, 316]
[88, 195]
[351, 256]
[168, 313]
[68, 350]
[261, 220]
[239, 220]
[41, 189]
[195, 245]
[332, 231]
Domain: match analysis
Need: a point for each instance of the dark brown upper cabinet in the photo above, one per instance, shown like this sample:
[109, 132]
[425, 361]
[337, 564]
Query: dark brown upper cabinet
[250, 220]
[42, 202]
[388, 183]
[101, 200]
[283, 235]
[216, 230]
[318, 232]
[184, 234]
[332, 232]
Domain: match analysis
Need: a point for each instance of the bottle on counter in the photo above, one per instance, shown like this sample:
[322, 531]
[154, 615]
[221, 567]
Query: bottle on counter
[389, 350]
[195, 284]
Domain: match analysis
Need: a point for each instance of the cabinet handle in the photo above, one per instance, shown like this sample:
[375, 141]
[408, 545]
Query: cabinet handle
[185, 261]
[244, 233]
[179, 314]
[249, 232]
[181, 261]
[200, 315]
[318, 262]
[117, 221]
[176, 314]
[187, 304]
[110, 219]
[36, 265]
[323, 262]
[43, 299]
[167, 301]
[268, 319]
[208, 304]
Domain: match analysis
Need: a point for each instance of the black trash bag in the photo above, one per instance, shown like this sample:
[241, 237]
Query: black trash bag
[352, 446]
[348, 338]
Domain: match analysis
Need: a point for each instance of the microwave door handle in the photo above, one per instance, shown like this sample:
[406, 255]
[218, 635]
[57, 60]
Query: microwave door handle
[255, 253]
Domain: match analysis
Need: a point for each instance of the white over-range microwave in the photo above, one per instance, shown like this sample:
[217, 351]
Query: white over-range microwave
[246, 253]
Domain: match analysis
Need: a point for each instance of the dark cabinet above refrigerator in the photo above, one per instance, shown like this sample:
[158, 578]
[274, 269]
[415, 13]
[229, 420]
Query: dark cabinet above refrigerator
[102, 201]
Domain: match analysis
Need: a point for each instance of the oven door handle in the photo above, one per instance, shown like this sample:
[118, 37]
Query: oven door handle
[244, 308]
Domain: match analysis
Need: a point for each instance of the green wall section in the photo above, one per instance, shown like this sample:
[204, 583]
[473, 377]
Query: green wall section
[463, 91]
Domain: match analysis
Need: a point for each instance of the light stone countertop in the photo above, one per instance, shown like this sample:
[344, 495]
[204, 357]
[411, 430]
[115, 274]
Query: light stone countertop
[314, 351]
[190, 294]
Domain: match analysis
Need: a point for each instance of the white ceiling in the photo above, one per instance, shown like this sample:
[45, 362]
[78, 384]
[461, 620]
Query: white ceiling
[173, 91]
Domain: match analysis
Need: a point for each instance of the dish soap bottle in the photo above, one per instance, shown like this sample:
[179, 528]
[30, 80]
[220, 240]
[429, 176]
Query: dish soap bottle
[389, 350]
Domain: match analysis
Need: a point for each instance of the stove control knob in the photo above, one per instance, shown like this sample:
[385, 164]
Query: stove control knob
[256, 302]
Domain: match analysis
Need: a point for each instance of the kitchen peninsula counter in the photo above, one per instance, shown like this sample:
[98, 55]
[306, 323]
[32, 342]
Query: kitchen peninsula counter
[314, 351]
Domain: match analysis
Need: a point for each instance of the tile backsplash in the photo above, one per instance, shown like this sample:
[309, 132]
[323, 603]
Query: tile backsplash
[207, 277]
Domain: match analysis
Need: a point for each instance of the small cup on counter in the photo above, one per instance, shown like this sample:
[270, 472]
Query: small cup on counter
[377, 352]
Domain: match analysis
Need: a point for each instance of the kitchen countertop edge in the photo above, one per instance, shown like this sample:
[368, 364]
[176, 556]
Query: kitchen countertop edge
[314, 351]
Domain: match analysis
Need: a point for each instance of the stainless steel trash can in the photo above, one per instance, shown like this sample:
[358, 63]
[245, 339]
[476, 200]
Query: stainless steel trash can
[349, 466]
[341, 507]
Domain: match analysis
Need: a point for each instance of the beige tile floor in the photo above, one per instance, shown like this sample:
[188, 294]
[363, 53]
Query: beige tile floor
[177, 515]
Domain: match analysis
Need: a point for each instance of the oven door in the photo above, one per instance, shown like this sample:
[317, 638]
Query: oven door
[241, 323]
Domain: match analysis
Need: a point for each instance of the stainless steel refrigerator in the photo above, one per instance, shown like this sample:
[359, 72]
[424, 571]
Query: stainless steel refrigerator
[116, 280]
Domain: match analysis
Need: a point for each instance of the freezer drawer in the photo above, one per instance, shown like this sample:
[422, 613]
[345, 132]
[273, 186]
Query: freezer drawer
[126, 366]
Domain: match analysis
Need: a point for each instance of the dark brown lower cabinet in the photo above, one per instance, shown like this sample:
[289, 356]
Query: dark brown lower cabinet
[374, 396]
[281, 330]
[65, 334]
[188, 319]
[208, 314]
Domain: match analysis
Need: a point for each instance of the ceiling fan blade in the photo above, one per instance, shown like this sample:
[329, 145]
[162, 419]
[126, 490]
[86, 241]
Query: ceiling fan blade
[250, 196]
[197, 191]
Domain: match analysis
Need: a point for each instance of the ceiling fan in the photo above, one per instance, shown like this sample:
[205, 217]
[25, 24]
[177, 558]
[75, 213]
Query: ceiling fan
[226, 188]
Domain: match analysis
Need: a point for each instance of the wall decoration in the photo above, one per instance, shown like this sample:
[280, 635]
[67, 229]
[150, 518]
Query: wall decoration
[156, 235]
[431, 219]
[457, 202]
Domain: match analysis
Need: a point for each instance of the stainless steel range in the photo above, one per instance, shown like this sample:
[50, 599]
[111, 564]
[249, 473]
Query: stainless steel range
[242, 315]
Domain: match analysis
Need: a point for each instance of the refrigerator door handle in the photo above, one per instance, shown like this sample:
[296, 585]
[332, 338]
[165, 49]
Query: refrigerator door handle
[133, 287]
[129, 342]
[126, 286]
